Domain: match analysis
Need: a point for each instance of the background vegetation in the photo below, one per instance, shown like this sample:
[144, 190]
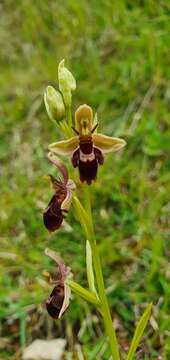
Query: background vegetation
[118, 52]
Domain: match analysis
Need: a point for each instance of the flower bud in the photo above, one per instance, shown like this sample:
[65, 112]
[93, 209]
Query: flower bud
[67, 83]
[54, 104]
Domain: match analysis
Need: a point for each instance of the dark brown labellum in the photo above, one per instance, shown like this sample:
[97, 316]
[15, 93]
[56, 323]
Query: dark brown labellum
[88, 171]
[53, 216]
[86, 158]
[55, 301]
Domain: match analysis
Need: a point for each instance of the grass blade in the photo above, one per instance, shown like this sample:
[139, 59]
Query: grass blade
[139, 332]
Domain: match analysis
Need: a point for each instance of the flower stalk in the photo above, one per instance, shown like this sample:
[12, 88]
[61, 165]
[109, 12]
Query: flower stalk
[110, 331]
[86, 149]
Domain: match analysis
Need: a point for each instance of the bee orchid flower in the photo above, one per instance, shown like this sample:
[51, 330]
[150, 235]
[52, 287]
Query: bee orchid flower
[59, 299]
[87, 148]
[60, 202]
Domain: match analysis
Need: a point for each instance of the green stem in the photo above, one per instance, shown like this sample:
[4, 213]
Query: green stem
[110, 331]
[87, 202]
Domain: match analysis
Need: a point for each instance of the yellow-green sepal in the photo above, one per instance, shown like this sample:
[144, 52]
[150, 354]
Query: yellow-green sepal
[64, 147]
[108, 144]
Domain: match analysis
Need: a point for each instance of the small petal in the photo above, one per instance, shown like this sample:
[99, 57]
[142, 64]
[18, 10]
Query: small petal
[108, 144]
[56, 161]
[84, 120]
[99, 156]
[67, 83]
[54, 256]
[65, 271]
[75, 158]
[54, 104]
[65, 147]
[58, 186]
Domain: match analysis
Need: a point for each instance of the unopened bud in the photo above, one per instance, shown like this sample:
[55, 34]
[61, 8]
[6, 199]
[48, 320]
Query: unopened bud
[67, 83]
[54, 104]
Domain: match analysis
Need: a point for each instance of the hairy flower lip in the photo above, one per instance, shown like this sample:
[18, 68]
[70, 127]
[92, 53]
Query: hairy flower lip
[60, 202]
[52, 215]
[59, 299]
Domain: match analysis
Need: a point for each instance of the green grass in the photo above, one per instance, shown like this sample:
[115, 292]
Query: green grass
[119, 54]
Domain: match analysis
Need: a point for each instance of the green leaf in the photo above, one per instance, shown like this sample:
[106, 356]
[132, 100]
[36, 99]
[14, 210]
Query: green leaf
[139, 332]
[83, 293]
[89, 265]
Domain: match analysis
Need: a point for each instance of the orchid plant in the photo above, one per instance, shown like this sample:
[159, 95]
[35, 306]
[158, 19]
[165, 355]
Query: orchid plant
[86, 149]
